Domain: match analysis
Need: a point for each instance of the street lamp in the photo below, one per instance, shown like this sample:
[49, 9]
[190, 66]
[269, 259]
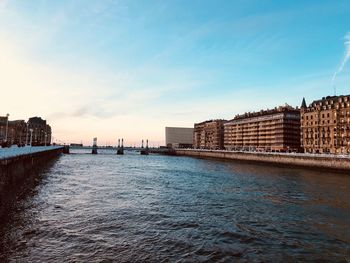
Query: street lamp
[31, 136]
[7, 126]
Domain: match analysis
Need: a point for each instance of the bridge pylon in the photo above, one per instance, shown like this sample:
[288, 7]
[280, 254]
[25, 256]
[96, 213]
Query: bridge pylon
[144, 151]
[120, 150]
[94, 146]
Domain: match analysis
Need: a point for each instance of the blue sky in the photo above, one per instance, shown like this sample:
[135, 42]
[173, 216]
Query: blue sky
[129, 68]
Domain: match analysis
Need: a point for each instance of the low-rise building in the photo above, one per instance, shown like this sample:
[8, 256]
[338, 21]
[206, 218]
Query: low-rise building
[267, 130]
[209, 135]
[325, 125]
[178, 137]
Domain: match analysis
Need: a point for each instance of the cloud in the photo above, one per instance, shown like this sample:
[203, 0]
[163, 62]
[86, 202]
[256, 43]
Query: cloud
[346, 57]
[82, 102]
[347, 51]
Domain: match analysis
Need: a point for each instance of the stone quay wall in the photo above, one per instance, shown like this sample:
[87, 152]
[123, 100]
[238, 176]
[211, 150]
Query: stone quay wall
[315, 161]
[17, 172]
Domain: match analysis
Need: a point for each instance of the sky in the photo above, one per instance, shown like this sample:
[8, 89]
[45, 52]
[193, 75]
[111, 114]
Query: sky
[128, 68]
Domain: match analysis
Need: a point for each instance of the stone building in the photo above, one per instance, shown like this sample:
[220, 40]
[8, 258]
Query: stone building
[3, 123]
[325, 125]
[209, 135]
[16, 131]
[41, 131]
[267, 130]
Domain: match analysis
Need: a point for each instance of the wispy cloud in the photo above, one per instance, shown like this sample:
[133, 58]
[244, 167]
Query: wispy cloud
[114, 67]
[347, 52]
[346, 57]
[85, 102]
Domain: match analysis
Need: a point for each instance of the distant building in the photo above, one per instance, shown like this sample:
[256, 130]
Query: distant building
[76, 145]
[16, 131]
[177, 137]
[325, 125]
[266, 130]
[3, 123]
[209, 135]
[41, 131]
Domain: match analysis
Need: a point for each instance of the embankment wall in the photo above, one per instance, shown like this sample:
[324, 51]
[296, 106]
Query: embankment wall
[17, 171]
[330, 163]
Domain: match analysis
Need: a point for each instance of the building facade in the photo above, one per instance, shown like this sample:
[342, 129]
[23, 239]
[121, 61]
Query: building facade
[3, 123]
[18, 131]
[209, 135]
[41, 132]
[267, 130]
[178, 137]
[325, 125]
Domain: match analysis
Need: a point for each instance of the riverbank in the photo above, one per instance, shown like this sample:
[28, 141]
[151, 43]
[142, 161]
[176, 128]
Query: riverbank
[16, 169]
[315, 161]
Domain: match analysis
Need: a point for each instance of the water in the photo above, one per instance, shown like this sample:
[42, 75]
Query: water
[133, 208]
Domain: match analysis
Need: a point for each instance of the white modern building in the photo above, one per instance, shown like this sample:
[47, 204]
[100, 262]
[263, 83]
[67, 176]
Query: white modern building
[178, 137]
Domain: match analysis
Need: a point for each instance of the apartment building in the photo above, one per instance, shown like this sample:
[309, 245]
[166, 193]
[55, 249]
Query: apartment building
[325, 125]
[209, 135]
[267, 130]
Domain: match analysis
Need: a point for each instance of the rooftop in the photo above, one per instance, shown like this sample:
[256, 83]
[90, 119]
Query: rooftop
[284, 108]
[209, 121]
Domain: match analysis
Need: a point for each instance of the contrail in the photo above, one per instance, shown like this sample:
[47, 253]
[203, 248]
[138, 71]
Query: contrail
[346, 57]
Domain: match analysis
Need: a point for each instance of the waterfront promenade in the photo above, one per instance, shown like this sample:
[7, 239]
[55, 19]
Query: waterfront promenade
[14, 151]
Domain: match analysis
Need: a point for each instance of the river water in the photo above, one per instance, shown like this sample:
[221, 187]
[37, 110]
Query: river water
[133, 208]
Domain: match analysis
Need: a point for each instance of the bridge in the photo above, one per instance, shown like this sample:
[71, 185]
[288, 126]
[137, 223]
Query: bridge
[119, 149]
